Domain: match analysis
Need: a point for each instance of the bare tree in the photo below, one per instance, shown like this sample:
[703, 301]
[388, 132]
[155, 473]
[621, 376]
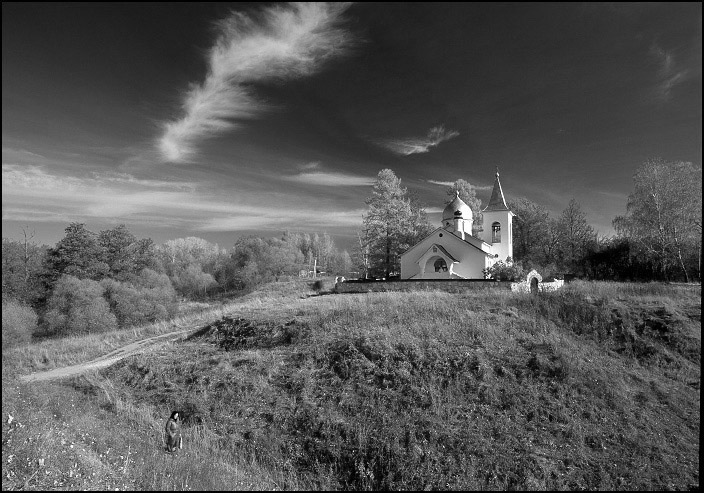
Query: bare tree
[664, 214]
[575, 235]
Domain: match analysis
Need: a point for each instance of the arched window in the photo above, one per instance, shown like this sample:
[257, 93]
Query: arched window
[496, 232]
[440, 265]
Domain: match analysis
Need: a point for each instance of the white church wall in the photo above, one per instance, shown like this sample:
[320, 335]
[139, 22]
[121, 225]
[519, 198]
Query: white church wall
[471, 260]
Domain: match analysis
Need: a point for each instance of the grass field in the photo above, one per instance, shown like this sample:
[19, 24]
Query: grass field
[595, 386]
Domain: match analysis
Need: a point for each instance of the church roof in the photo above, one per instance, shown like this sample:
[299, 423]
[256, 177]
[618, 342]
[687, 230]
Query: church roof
[456, 238]
[497, 202]
[457, 205]
[447, 254]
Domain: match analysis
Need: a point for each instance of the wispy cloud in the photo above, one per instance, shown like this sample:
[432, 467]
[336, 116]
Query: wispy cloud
[280, 43]
[451, 183]
[274, 219]
[31, 193]
[309, 166]
[330, 179]
[417, 145]
[669, 72]
[442, 183]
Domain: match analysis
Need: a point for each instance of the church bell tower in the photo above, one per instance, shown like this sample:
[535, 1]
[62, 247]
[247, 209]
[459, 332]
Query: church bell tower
[497, 224]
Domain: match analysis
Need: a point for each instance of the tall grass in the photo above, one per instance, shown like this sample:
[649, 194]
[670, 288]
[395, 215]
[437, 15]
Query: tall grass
[424, 390]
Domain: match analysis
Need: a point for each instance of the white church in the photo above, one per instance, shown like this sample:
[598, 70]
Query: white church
[452, 252]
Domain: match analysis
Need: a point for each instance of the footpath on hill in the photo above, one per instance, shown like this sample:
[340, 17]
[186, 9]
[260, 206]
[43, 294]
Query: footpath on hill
[108, 359]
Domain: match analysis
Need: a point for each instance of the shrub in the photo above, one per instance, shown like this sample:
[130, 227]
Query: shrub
[251, 276]
[505, 271]
[145, 298]
[77, 306]
[192, 281]
[18, 323]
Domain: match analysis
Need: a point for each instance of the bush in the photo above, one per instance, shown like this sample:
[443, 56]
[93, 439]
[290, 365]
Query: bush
[192, 281]
[77, 306]
[505, 271]
[18, 323]
[145, 298]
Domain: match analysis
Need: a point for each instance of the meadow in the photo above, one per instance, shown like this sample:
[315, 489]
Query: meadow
[595, 386]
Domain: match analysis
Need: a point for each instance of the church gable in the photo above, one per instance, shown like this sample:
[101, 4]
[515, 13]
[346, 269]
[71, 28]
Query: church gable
[440, 250]
[449, 240]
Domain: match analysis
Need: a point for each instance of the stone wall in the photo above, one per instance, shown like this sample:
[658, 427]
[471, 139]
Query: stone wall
[524, 286]
[551, 286]
[451, 285]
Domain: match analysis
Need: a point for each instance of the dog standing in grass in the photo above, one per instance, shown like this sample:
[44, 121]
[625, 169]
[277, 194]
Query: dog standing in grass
[173, 432]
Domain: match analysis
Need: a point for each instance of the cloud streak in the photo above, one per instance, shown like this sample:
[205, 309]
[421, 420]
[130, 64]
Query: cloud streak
[280, 43]
[442, 183]
[669, 74]
[452, 183]
[418, 145]
[330, 179]
[30, 193]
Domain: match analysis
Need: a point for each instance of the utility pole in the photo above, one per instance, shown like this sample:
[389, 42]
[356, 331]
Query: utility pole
[315, 266]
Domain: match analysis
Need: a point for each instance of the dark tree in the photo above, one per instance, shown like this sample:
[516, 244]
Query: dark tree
[391, 225]
[78, 254]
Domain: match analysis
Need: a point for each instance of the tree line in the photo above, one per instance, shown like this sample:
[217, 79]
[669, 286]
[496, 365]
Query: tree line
[99, 281]
[92, 282]
[659, 237]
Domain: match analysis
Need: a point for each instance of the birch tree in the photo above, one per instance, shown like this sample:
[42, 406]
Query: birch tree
[664, 215]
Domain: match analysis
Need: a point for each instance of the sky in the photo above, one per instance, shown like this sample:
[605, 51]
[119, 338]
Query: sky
[219, 120]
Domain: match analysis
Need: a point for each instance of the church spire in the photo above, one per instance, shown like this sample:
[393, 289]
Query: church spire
[497, 202]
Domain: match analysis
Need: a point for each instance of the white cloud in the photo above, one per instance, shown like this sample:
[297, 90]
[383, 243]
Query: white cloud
[451, 183]
[286, 43]
[330, 179]
[277, 219]
[669, 73]
[30, 193]
[416, 145]
[33, 179]
[311, 165]
[443, 183]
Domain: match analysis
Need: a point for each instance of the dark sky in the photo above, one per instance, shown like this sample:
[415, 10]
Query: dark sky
[217, 120]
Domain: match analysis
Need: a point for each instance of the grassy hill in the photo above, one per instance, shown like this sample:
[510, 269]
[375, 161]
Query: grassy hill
[596, 386]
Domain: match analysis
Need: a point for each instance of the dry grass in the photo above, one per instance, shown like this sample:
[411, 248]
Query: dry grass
[58, 352]
[569, 390]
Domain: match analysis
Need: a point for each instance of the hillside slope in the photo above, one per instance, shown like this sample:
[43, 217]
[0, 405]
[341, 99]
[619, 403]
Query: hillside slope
[594, 386]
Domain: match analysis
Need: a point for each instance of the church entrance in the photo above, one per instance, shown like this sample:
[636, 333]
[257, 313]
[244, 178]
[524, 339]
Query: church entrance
[436, 267]
[534, 285]
[440, 265]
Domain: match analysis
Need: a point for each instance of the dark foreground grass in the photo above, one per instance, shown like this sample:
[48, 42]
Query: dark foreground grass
[592, 387]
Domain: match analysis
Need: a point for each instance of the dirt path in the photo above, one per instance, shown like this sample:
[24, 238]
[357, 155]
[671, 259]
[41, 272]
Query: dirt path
[107, 359]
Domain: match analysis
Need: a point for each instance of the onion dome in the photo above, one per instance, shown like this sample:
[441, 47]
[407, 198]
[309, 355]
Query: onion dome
[457, 209]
